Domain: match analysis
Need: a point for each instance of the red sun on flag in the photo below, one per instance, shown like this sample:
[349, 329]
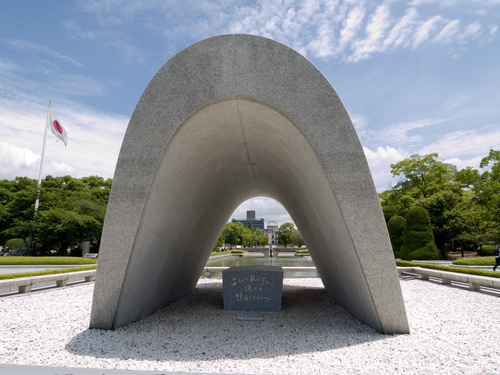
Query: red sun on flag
[57, 126]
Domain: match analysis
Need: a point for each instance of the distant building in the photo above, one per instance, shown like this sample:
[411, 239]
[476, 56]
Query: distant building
[451, 165]
[271, 232]
[256, 223]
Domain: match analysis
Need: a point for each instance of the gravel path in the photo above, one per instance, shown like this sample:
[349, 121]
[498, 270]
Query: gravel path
[453, 331]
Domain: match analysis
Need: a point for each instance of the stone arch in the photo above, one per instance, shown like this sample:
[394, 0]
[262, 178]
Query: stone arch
[224, 120]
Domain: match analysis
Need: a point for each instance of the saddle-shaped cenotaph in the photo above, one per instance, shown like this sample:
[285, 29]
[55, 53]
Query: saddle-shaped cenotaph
[226, 119]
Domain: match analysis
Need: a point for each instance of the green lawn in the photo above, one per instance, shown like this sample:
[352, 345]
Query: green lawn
[470, 271]
[44, 261]
[478, 261]
[47, 272]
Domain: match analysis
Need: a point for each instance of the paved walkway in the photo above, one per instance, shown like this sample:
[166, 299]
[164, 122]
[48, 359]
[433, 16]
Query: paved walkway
[47, 370]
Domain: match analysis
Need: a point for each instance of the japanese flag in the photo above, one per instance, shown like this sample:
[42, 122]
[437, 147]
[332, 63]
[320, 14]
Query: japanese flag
[56, 127]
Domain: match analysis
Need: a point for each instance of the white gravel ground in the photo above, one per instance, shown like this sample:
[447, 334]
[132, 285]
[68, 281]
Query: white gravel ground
[453, 331]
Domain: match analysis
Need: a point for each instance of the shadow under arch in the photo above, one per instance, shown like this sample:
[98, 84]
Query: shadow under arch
[220, 123]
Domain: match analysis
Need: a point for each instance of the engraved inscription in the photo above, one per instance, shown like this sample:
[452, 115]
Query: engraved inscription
[251, 283]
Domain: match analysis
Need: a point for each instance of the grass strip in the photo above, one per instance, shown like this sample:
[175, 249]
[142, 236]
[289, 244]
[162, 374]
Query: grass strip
[469, 271]
[238, 251]
[9, 276]
[220, 253]
[305, 251]
[477, 261]
[44, 261]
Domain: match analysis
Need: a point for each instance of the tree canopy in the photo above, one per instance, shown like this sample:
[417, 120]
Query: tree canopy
[286, 234]
[462, 206]
[71, 210]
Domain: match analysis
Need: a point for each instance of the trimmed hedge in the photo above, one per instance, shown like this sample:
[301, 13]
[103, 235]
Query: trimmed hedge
[396, 227]
[487, 250]
[237, 251]
[9, 276]
[418, 238]
[478, 261]
[389, 212]
[469, 271]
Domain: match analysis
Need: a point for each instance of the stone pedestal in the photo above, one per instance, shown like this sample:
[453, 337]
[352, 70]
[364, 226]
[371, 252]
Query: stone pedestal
[253, 288]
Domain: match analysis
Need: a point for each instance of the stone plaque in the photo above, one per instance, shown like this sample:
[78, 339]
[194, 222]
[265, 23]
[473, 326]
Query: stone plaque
[252, 288]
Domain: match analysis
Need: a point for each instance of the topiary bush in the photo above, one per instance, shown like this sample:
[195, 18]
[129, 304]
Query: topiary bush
[16, 243]
[396, 227]
[389, 212]
[418, 238]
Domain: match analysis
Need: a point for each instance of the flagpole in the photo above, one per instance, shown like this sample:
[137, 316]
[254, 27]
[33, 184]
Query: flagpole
[30, 240]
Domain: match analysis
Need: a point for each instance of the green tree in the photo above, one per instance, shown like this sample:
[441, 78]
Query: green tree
[246, 237]
[219, 243]
[71, 210]
[18, 201]
[422, 175]
[396, 227]
[463, 206]
[418, 240]
[259, 238]
[232, 233]
[286, 234]
[299, 241]
[481, 206]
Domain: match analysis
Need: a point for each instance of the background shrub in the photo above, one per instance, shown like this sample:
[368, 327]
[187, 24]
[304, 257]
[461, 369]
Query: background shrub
[487, 250]
[16, 243]
[389, 212]
[418, 238]
[396, 227]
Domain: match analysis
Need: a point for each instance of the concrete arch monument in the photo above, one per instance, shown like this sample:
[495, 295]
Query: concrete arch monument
[226, 119]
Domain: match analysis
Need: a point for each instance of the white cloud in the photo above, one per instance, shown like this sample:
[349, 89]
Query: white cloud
[375, 30]
[424, 31]
[27, 46]
[448, 33]
[94, 141]
[384, 156]
[472, 31]
[465, 144]
[399, 133]
[380, 164]
[266, 208]
[15, 160]
[402, 31]
[351, 24]
[464, 163]
[348, 30]
[359, 122]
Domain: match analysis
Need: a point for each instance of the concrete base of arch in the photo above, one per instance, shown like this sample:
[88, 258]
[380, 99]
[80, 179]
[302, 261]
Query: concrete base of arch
[230, 118]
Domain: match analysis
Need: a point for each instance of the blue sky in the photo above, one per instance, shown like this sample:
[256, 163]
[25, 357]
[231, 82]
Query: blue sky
[416, 76]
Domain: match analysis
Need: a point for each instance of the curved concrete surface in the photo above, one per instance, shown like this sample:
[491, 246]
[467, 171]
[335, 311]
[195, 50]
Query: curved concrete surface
[230, 118]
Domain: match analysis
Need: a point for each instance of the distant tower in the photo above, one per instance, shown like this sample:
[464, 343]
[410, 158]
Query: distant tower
[256, 222]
